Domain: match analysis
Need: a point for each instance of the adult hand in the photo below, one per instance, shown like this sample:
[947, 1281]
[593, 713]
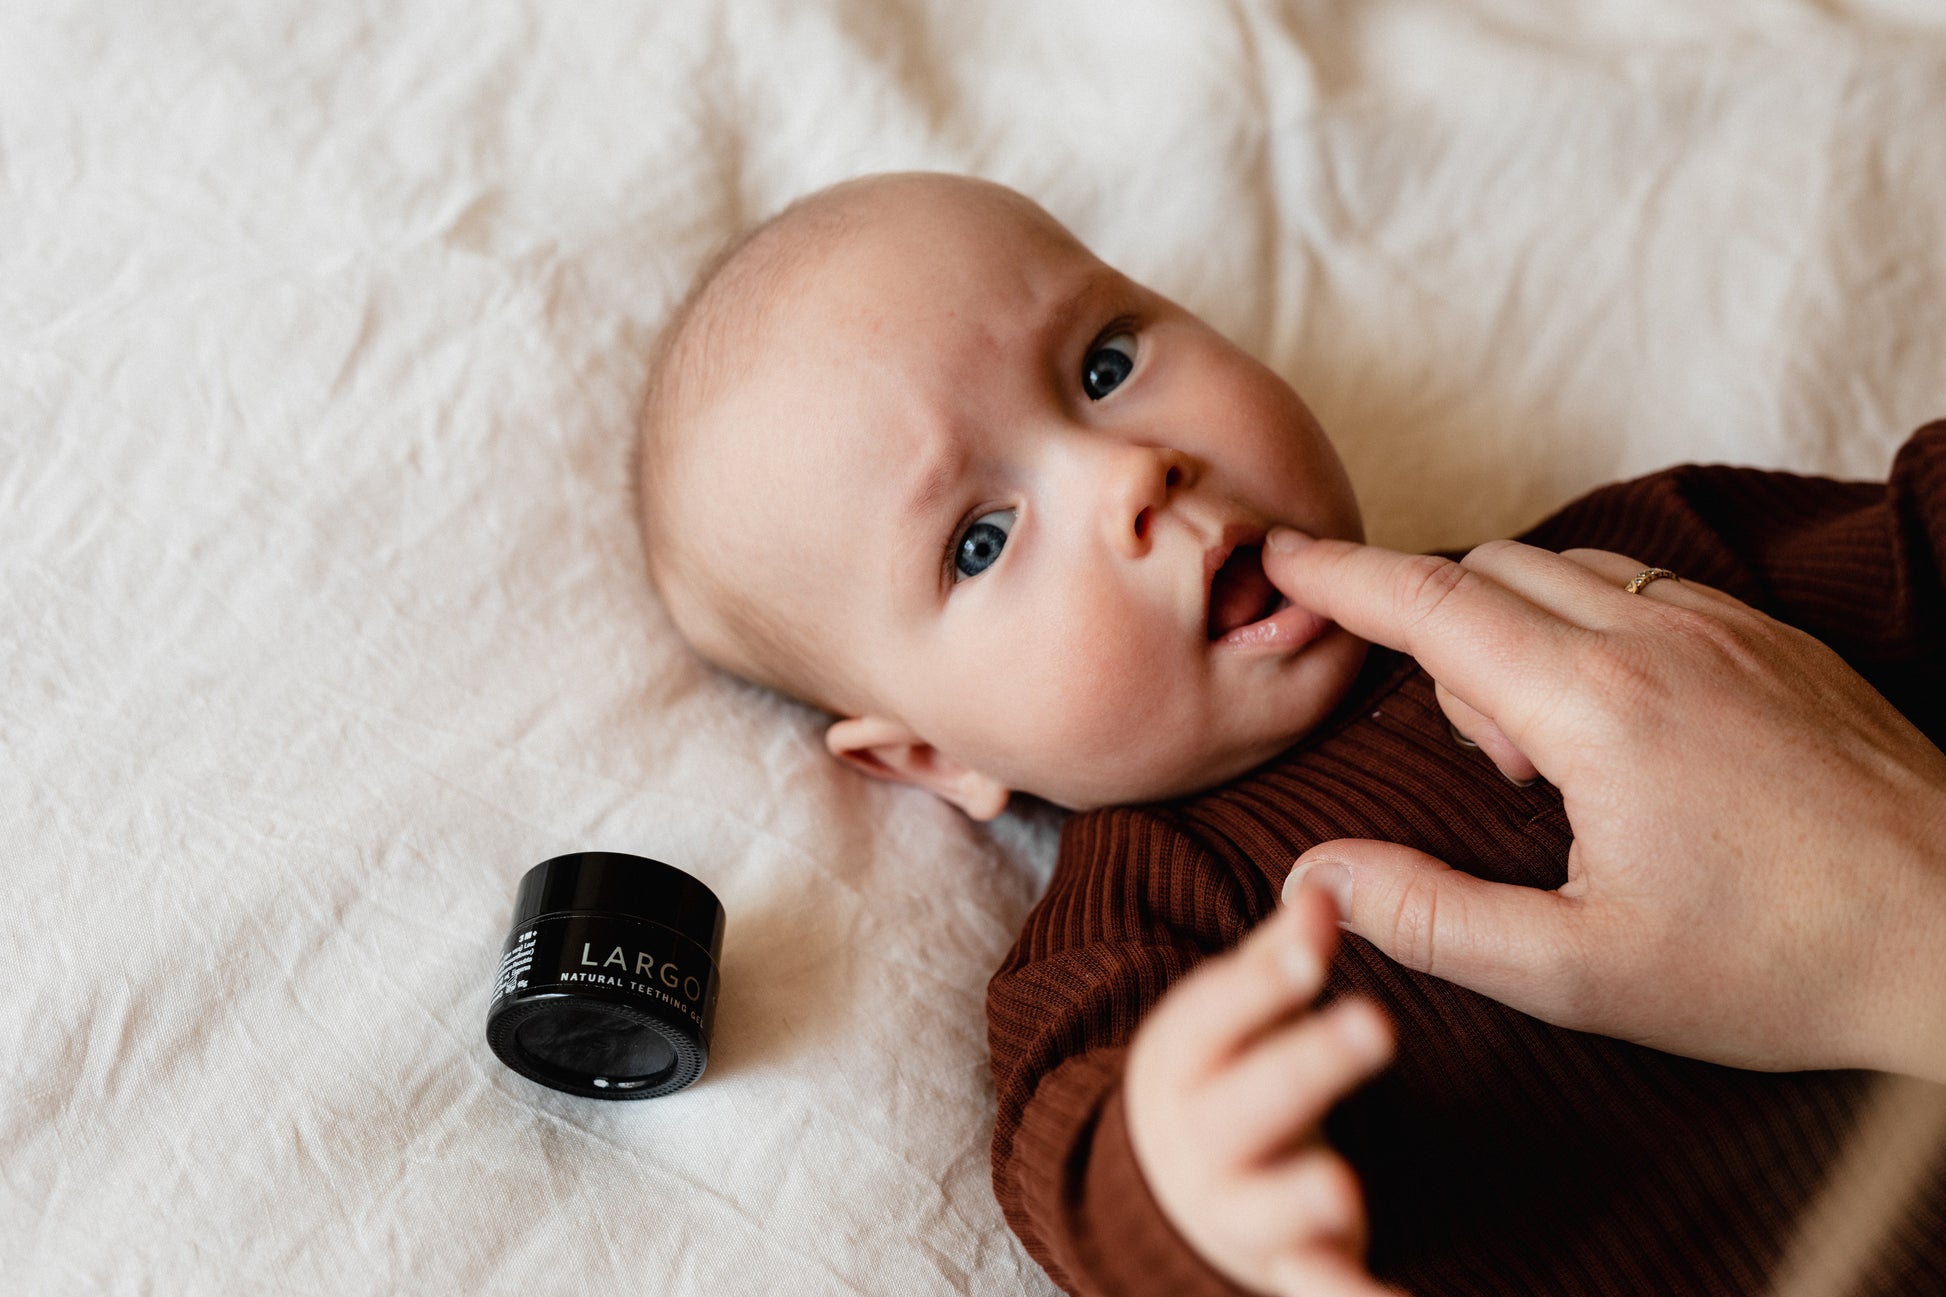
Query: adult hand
[1758, 874]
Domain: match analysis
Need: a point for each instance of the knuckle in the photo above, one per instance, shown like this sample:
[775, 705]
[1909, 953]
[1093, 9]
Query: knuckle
[1338, 1183]
[1734, 642]
[1634, 682]
[1333, 1198]
[1487, 550]
[1414, 921]
[1620, 676]
[1427, 583]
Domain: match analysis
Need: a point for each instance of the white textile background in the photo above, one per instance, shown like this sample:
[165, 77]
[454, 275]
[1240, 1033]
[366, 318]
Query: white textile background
[322, 613]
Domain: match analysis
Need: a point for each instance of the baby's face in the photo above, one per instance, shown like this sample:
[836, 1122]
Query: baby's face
[1021, 496]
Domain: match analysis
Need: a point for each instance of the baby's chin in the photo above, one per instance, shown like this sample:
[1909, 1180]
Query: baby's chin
[1165, 776]
[1169, 783]
[1163, 786]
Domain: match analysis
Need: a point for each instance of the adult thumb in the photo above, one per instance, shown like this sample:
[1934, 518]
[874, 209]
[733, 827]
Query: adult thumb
[1501, 940]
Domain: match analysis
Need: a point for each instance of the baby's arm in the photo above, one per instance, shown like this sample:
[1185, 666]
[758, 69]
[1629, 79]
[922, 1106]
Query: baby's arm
[1139, 904]
[1228, 1080]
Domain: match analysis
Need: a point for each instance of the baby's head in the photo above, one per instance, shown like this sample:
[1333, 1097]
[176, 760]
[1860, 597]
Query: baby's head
[913, 454]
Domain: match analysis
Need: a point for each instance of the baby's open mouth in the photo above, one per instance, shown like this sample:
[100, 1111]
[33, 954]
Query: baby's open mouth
[1240, 593]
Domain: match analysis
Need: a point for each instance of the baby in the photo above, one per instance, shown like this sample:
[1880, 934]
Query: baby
[918, 457]
[913, 454]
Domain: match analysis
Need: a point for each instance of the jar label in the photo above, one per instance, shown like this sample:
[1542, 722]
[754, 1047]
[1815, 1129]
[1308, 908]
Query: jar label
[625, 958]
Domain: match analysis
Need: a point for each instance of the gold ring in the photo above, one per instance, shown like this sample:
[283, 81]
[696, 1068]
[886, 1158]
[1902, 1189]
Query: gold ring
[1646, 576]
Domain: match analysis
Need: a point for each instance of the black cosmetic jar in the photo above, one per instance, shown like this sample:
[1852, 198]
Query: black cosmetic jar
[607, 983]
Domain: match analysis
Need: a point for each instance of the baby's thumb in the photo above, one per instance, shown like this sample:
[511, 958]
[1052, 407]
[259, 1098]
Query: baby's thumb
[1494, 938]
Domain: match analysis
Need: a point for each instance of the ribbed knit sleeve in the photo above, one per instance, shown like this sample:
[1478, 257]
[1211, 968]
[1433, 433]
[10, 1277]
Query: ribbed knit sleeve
[1857, 564]
[1499, 1154]
[1136, 903]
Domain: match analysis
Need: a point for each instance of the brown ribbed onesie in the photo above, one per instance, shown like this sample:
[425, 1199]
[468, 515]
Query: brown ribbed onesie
[1499, 1154]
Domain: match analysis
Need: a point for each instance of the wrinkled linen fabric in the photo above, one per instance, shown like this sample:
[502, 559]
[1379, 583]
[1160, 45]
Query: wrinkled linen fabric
[323, 613]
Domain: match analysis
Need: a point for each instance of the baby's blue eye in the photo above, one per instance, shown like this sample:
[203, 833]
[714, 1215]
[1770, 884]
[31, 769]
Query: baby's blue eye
[980, 544]
[1107, 365]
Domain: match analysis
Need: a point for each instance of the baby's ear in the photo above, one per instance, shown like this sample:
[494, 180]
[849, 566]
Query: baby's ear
[887, 749]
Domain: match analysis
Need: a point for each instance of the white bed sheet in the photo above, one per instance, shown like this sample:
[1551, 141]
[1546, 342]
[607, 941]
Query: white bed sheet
[322, 614]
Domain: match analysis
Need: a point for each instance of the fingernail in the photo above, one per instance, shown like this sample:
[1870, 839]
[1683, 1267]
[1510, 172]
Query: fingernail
[1520, 783]
[1333, 877]
[1460, 738]
[1286, 541]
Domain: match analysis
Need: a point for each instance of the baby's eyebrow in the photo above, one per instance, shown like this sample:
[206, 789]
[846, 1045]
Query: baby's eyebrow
[935, 481]
[1064, 308]
[916, 567]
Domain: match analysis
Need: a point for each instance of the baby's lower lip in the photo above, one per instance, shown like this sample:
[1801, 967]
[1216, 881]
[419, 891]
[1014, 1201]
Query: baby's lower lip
[1287, 629]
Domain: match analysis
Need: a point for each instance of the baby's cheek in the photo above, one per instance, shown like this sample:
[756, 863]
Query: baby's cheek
[1105, 689]
[1088, 698]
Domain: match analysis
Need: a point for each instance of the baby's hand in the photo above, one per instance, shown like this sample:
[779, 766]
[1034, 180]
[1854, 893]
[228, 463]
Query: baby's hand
[1228, 1080]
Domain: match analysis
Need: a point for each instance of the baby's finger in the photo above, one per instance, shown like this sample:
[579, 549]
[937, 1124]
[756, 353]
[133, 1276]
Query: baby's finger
[1214, 1012]
[1310, 1199]
[1280, 1088]
[1325, 1272]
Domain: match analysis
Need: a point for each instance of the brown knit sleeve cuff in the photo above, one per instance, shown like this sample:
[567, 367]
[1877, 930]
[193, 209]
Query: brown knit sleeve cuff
[1096, 1228]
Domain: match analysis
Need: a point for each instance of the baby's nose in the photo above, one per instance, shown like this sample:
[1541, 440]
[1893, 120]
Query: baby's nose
[1147, 480]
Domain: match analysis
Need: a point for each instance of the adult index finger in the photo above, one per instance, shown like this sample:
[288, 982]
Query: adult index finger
[1488, 645]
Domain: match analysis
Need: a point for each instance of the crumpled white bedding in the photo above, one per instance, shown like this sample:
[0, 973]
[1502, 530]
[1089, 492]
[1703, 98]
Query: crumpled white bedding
[322, 612]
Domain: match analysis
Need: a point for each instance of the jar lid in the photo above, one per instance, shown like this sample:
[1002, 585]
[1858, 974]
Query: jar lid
[615, 882]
